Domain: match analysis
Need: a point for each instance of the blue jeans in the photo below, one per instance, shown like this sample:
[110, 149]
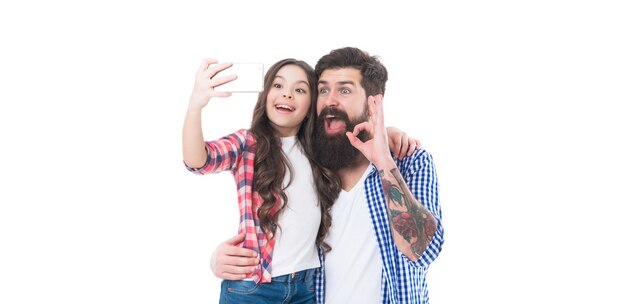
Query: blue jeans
[295, 288]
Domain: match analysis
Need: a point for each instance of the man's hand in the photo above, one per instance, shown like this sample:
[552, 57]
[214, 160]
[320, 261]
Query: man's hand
[413, 224]
[231, 262]
[376, 149]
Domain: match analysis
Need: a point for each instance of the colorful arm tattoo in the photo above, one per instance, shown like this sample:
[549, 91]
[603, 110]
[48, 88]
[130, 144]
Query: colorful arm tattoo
[408, 217]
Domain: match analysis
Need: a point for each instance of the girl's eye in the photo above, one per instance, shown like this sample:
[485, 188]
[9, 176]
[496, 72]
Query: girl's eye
[301, 90]
[278, 85]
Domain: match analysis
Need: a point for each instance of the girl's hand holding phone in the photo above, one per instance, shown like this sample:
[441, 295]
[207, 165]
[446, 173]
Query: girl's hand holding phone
[204, 87]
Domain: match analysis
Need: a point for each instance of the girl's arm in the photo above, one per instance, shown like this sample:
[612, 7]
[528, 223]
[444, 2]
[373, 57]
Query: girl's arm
[194, 152]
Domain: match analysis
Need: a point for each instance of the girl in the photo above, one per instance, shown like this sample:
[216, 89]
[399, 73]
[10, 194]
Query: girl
[284, 195]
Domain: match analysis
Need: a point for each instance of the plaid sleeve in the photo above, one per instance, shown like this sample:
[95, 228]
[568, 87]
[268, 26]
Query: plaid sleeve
[421, 177]
[223, 154]
[319, 278]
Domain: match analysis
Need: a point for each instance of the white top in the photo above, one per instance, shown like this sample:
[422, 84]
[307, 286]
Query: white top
[354, 266]
[295, 249]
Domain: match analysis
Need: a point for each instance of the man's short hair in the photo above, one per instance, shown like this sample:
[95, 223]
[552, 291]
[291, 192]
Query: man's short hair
[373, 73]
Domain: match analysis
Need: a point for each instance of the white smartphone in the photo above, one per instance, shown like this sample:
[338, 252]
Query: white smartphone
[249, 78]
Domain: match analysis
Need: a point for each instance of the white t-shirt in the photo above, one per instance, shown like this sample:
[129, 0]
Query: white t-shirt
[353, 267]
[299, 222]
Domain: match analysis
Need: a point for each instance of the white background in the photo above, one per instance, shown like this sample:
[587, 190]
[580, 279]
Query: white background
[520, 103]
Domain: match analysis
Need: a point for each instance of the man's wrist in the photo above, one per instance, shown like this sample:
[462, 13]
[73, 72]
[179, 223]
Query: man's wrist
[385, 163]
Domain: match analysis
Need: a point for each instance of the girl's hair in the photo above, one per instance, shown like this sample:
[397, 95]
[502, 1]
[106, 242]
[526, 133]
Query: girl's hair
[270, 163]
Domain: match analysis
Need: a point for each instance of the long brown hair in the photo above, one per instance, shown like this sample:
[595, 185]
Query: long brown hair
[271, 163]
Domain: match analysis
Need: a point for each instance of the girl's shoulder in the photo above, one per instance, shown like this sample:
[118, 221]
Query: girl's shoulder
[244, 136]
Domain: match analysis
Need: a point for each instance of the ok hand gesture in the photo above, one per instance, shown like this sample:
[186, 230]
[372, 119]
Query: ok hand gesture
[375, 149]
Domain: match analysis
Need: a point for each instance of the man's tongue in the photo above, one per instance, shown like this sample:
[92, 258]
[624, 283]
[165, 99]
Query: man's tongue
[335, 125]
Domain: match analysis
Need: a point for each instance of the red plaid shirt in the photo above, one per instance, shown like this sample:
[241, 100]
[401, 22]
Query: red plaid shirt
[235, 152]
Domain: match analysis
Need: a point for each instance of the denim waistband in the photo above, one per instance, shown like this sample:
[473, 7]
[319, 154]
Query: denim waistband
[296, 276]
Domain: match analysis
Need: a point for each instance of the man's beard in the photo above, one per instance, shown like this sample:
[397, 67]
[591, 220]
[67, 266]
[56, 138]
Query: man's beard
[335, 151]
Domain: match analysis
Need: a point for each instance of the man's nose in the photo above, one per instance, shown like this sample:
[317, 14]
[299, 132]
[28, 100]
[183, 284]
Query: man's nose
[331, 100]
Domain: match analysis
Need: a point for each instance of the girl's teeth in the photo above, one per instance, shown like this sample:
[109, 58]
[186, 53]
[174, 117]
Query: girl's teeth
[284, 107]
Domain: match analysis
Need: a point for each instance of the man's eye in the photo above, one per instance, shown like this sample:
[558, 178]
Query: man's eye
[345, 91]
[323, 91]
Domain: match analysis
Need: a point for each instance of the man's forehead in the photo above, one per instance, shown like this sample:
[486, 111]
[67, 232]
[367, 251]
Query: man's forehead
[331, 76]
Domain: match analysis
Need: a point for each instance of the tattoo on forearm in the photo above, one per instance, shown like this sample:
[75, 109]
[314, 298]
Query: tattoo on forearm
[408, 217]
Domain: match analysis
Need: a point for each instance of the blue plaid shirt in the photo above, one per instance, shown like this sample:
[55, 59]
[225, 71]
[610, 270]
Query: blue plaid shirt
[403, 281]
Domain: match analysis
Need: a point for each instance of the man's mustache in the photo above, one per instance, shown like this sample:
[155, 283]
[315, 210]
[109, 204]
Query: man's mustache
[332, 111]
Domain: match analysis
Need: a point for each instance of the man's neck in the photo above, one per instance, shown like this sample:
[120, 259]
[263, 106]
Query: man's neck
[350, 176]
